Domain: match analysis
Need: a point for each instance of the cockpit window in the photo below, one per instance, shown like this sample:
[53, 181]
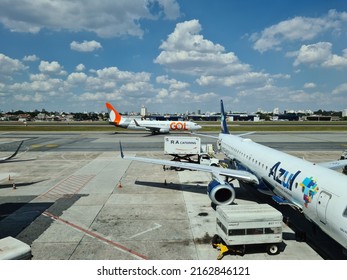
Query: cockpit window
[345, 213]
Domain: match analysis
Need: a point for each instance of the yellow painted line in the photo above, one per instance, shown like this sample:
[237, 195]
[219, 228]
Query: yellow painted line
[35, 146]
[51, 145]
[40, 146]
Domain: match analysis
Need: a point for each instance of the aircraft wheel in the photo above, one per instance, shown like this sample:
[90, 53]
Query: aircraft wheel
[272, 249]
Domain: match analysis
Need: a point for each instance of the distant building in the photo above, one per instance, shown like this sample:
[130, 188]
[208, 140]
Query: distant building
[321, 118]
[230, 117]
[344, 113]
[144, 111]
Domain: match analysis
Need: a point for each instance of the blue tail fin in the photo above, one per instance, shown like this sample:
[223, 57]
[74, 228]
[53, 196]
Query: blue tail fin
[223, 122]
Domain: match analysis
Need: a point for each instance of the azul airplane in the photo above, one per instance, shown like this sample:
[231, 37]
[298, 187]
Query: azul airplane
[316, 190]
[154, 126]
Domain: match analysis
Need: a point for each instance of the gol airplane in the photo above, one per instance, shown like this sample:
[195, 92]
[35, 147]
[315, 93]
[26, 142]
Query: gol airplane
[154, 126]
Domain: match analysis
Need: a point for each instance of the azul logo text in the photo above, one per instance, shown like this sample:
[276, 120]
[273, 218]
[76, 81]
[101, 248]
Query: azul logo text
[283, 176]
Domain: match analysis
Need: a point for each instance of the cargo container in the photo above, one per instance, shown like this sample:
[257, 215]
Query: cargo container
[249, 224]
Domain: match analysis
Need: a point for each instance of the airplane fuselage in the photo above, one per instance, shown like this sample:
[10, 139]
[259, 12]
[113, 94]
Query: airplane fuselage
[150, 125]
[320, 192]
[163, 126]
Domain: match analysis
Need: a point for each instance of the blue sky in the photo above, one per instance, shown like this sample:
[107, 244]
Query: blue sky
[173, 55]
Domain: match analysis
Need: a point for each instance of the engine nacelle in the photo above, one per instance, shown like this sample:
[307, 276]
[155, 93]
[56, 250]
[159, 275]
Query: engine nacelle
[221, 194]
[164, 130]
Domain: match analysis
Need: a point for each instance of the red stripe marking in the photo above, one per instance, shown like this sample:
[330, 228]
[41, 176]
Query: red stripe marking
[96, 236]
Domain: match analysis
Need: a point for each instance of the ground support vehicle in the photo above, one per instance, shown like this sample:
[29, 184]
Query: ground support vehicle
[189, 149]
[238, 226]
[14, 249]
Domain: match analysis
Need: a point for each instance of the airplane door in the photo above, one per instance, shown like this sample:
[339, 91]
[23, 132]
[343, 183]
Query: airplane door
[322, 204]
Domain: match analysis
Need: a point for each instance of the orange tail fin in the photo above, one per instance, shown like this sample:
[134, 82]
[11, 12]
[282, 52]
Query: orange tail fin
[114, 116]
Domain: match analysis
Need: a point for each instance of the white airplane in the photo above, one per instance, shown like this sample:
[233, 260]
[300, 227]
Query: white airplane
[154, 126]
[314, 189]
[11, 156]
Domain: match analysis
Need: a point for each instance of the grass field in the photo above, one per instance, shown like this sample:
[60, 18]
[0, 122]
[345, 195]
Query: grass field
[206, 126]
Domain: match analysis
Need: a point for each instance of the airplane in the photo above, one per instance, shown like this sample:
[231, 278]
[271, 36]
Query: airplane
[4, 159]
[316, 190]
[150, 125]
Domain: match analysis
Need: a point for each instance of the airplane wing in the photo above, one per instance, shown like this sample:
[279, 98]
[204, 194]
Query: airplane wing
[13, 155]
[216, 137]
[216, 171]
[151, 128]
[337, 164]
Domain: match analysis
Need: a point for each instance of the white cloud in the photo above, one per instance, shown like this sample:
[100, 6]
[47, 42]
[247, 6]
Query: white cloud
[80, 67]
[97, 86]
[85, 46]
[313, 54]
[9, 65]
[37, 97]
[298, 29]
[51, 68]
[341, 89]
[105, 18]
[186, 51]
[247, 79]
[173, 84]
[113, 73]
[39, 83]
[319, 54]
[76, 78]
[336, 61]
[171, 9]
[30, 58]
[310, 85]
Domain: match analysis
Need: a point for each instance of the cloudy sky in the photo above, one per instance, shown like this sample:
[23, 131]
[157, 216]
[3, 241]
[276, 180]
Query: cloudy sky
[173, 55]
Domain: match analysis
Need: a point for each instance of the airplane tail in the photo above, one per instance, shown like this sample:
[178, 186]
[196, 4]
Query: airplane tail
[223, 122]
[114, 116]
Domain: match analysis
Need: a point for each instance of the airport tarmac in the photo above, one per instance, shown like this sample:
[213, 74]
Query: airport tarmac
[71, 196]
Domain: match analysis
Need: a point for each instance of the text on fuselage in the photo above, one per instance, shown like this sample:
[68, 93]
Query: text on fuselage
[178, 126]
[283, 176]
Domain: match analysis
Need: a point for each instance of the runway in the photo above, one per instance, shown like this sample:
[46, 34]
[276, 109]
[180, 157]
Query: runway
[142, 141]
[75, 198]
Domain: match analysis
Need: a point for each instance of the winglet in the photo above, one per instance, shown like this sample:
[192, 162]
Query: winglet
[136, 123]
[114, 116]
[223, 122]
[121, 149]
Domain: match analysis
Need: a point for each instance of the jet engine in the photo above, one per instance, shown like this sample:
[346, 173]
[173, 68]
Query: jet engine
[221, 194]
[164, 130]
